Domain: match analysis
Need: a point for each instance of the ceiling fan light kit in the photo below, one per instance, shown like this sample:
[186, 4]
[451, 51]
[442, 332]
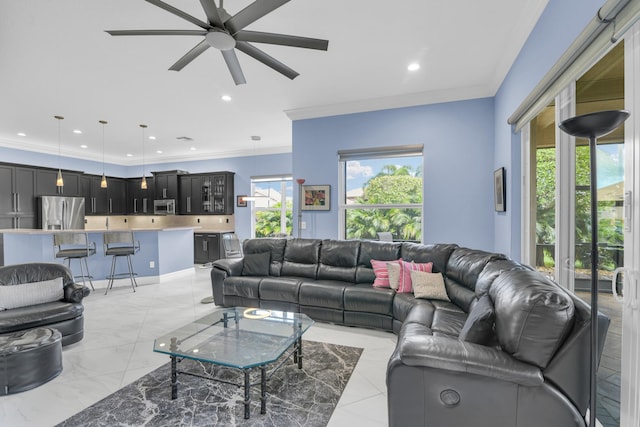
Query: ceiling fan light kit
[226, 33]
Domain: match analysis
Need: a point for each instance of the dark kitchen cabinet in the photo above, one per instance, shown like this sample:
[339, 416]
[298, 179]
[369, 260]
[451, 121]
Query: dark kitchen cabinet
[139, 201]
[190, 202]
[166, 184]
[207, 247]
[104, 201]
[222, 193]
[17, 197]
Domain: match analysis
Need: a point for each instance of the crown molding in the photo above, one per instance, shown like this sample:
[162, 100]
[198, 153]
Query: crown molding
[390, 102]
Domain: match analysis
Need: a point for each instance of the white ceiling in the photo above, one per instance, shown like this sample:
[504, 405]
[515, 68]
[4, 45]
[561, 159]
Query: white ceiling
[56, 59]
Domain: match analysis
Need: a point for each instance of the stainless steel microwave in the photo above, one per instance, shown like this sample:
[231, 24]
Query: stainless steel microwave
[164, 207]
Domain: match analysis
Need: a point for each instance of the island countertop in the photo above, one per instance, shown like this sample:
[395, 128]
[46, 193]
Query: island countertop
[162, 250]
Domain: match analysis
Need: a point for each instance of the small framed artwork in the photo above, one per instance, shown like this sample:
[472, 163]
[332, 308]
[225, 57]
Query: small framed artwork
[499, 193]
[241, 202]
[316, 197]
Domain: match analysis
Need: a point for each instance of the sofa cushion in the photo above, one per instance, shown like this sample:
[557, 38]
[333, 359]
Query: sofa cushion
[280, 289]
[33, 316]
[25, 294]
[301, 258]
[242, 286]
[438, 254]
[256, 264]
[405, 285]
[448, 318]
[533, 315]
[492, 270]
[338, 260]
[478, 328]
[428, 285]
[463, 269]
[322, 294]
[371, 249]
[273, 245]
[368, 299]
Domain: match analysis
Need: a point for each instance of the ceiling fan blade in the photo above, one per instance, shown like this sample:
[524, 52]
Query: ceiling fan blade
[190, 56]
[281, 39]
[156, 32]
[234, 66]
[179, 13]
[267, 60]
[211, 10]
[252, 13]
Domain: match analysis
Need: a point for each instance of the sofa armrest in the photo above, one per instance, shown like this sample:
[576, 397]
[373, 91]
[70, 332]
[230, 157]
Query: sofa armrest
[221, 269]
[74, 292]
[231, 266]
[451, 354]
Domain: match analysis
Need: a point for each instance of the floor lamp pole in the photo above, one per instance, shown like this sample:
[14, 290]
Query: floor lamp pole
[592, 126]
[300, 181]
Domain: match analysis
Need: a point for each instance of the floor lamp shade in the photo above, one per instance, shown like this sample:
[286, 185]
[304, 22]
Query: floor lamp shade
[593, 126]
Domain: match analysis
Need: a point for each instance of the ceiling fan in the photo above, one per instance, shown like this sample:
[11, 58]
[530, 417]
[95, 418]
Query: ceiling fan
[225, 32]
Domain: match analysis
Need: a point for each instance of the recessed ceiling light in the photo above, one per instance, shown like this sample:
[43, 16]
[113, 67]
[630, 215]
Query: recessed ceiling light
[256, 138]
[83, 146]
[159, 151]
[22, 134]
[414, 66]
[78, 131]
[225, 98]
[129, 155]
[193, 149]
[153, 138]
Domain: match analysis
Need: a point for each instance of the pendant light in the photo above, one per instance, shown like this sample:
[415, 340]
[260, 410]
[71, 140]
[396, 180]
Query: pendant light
[143, 184]
[103, 181]
[59, 181]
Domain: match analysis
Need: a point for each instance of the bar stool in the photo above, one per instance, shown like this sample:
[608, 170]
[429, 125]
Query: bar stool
[120, 244]
[75, 246]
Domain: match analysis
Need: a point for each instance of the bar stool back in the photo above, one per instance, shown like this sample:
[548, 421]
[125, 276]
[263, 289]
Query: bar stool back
[75, 246]
[120, 244]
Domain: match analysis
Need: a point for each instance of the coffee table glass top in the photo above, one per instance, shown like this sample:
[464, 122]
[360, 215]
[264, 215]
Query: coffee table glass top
[238, 337]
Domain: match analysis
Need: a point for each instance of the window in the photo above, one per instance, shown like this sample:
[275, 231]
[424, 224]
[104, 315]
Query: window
[271, 210]
[381, 192]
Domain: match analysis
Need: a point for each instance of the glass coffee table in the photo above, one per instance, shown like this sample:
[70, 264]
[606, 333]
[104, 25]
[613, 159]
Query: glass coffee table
[242, 338]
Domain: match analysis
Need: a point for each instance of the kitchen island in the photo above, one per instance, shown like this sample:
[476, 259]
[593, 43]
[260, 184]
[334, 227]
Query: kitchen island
[162, 251]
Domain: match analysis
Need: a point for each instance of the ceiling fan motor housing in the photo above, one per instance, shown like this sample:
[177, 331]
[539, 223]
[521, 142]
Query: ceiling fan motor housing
[220, 39]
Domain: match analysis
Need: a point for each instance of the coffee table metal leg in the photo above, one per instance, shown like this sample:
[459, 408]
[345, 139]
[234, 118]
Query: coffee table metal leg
[299, 353]
[247, 395]
[174, 379]
[263, 390]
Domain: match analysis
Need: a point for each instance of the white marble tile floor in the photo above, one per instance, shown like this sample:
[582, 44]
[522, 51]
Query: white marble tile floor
[117, 349]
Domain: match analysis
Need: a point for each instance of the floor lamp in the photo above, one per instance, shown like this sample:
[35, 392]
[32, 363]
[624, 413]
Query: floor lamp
[300, 181]
[592, 126]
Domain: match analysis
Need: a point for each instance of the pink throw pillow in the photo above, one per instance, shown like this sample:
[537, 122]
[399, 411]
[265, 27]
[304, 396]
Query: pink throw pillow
[405, 284]
[381, 272]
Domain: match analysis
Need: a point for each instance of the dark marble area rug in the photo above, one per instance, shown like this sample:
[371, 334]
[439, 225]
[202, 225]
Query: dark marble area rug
[295, 397]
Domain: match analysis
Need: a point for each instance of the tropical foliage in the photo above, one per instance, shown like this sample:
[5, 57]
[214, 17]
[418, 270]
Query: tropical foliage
[268, 221]
[394, 185]
[609, 230]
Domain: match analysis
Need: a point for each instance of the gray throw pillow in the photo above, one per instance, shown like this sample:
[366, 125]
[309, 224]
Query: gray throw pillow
[479, 325]
[256, 264]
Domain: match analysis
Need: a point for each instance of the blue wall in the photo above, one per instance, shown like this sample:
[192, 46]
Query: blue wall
[458, 164]
[560, 24]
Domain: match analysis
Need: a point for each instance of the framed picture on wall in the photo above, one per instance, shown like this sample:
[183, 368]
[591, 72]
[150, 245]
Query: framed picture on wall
[316, 197]
[499, 193]
[241, 202]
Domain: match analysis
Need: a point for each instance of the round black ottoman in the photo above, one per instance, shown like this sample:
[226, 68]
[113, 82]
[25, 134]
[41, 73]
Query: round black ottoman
[29, 358]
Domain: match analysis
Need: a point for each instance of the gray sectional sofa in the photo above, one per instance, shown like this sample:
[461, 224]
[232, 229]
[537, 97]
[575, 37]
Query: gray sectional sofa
[510, 348]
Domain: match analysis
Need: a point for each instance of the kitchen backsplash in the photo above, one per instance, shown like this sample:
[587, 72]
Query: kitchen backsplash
[124, 222]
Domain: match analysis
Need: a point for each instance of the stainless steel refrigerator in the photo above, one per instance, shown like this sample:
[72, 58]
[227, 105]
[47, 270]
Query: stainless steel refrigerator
[61, 213]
